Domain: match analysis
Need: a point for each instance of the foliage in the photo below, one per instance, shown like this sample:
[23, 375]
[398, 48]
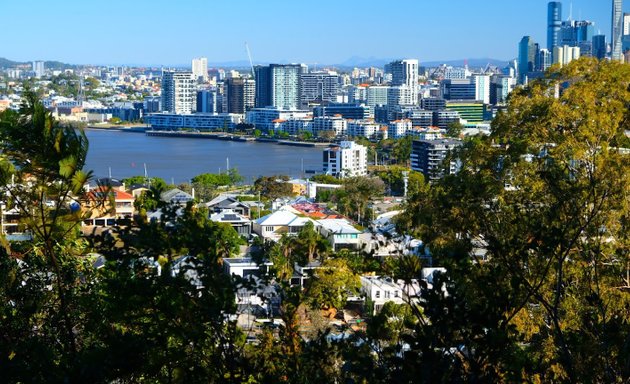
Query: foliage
[325, 179]
[352, 199]
[545, 195]
[273, 187]
[454, 129]
[331, 284]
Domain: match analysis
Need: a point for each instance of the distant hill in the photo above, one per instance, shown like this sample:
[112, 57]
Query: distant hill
[55, 65]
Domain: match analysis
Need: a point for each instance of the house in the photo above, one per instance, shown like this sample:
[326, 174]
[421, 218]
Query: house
[245, 267]
[240, 223]
[302, 273]
[340, 233]
[274, 225]
[380, 290]
[227, 202]
[107, 205]
[176, 196]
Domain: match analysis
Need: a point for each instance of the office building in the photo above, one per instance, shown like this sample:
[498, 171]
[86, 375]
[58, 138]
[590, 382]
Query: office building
[178, 92]
[459, 89]
[38, 68]
[151, 104]
[278, 85]
[554, 23]
[482, 87]
[573, 33]
[376, 95]
[442, 119]
[500, 88]
[200, 69]
[208, 101]
[526, 58]
[428, 156]
[240, 94]
[318, 88]
[617, 30]
[543, 60]
[599, 46]
[472, 112]
[432, 103]
[348, 159]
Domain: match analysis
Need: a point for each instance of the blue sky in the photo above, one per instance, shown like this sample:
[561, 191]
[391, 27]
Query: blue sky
[160, 32]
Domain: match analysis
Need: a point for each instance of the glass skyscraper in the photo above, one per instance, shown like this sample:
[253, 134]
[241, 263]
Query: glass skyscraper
[617, 29]
[554, 23]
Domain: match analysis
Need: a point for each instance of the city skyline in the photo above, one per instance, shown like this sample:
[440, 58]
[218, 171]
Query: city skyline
[159, 33]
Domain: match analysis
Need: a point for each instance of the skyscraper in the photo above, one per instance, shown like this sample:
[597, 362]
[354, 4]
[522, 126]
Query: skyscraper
[278, 85]
[554, 22]
[200, 69]
[526, 58]
[626, 24]
[178, 92]
[599, 46]
[319, 88]
[617, 30]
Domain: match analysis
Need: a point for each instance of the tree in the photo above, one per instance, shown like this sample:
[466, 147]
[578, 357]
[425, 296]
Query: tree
[454, 129]
[311, 244]
[545, 196]
[273, 187]
[331, 284]
[401, 150]
[357, 192]
[41, 295]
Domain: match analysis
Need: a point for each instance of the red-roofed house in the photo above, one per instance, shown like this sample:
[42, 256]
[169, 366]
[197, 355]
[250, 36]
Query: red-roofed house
[105, 206]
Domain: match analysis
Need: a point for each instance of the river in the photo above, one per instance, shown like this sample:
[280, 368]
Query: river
[177, 160]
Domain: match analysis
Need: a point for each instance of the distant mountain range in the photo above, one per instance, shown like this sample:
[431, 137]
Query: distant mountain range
[352, 62]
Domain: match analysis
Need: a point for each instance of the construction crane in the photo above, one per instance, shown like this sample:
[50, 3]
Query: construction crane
[251, 62]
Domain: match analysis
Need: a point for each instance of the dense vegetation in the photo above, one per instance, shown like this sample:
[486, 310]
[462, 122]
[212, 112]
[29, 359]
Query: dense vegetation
[533, 231]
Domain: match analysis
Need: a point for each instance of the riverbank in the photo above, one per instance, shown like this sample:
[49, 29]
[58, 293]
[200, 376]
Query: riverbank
[232, 137]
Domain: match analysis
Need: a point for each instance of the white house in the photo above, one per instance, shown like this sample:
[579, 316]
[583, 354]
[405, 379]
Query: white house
[274, 225]
[381, 290]
[340, 233]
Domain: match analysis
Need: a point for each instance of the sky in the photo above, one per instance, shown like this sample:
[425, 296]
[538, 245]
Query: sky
[171, 33]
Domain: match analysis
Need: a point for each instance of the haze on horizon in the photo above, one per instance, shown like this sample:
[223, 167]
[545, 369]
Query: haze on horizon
[169, 33]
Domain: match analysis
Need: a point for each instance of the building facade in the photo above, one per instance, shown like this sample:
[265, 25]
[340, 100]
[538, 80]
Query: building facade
[178, 92]
[617, 30]
[428, 156]
[346, 160]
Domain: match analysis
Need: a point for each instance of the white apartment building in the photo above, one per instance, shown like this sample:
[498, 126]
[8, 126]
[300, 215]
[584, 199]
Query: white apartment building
[264, 118]
[200, 69]
[405, 73]
[363, 128]
[345, 160]
[398, 128]
[336, 124]
[178, 92]
[565, 54]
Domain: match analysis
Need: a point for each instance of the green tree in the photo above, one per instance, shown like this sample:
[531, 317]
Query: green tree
[273, 187]
[331, 284]
[454, 129]
[41, 294]
[545, 197]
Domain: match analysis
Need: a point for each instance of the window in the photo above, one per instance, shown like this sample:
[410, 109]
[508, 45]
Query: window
[377, 294]
[269, 229]
[387, 294]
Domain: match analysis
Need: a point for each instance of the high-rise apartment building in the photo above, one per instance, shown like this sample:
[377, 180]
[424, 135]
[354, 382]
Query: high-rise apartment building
[178, 92]
[38, 68]
[376, 95]
[240, 94]
[565, 54]
[405, 74]
[278, 85]
[428, 156]
[200, 69]
[318, 88]
[617, 30]
[554, 22]
[526, 58]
